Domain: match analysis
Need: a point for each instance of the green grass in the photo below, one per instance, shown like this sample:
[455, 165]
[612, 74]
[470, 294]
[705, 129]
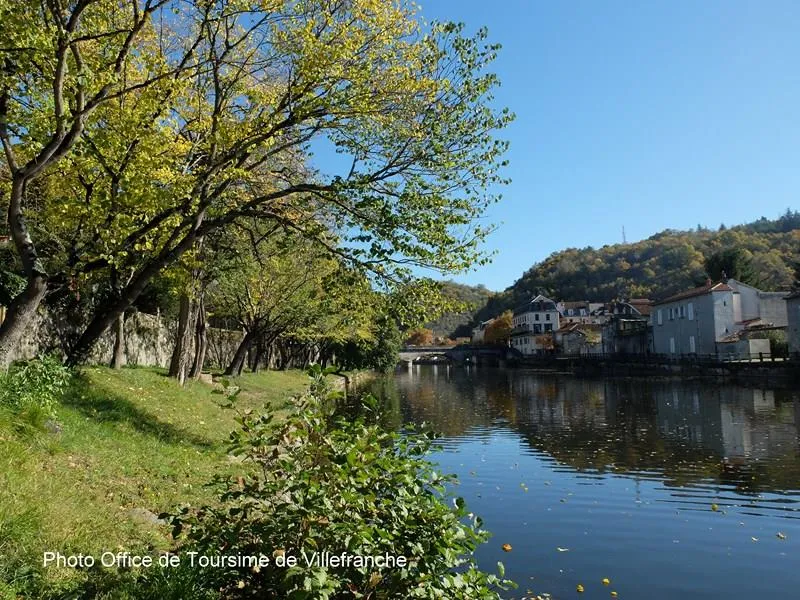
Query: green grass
[130, 439]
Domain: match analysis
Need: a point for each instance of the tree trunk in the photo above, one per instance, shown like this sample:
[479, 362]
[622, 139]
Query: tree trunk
[19, 317]
[200, 340]
[103, 319]
[118, 358]
[259, 355]
[24, 306]
[179, 365]
[237, 364]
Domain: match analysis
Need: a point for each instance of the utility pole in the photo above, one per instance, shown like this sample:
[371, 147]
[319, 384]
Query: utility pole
[624, 240]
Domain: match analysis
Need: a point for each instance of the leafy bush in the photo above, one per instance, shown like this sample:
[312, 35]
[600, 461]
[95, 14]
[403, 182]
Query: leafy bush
[325, 482]
[33, 388]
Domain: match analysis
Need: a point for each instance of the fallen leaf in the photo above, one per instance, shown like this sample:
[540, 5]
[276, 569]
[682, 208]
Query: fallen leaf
[606, 581]
[506, 547]
[579, 588]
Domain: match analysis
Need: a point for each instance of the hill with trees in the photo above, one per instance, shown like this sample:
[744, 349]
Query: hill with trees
[763, 253]
[467, 300]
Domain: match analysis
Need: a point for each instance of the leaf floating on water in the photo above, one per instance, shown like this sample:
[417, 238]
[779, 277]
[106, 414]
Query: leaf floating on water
[579, 588]
[562, 549]
[606, 581]
[755, 539]
[614, 594]
[506, 547]
[780, 536]
[715, 507]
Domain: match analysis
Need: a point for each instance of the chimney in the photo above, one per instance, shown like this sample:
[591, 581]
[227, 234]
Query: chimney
[708, 282]
[724, 277]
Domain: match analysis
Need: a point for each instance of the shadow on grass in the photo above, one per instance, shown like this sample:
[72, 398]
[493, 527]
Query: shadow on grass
[106, 407]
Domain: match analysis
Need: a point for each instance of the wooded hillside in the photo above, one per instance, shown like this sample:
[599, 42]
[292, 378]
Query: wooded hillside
[457, 323]
[763, 253]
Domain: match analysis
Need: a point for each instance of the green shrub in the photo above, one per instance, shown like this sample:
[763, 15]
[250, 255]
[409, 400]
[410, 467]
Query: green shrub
[324, 482]
[33, 388]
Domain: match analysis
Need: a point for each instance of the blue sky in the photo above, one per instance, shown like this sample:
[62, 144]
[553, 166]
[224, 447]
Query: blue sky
[647, 115]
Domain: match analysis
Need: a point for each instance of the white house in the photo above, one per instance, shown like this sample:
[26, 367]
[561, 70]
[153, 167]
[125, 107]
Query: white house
[582, 311]
[533, 325]
[769, 307]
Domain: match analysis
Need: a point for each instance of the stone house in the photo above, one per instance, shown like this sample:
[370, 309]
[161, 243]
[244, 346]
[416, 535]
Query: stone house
[628, 330]
[579, 338]
[479, 332]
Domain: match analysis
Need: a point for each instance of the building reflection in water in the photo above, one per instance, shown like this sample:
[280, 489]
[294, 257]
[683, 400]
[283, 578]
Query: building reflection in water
[684, 430]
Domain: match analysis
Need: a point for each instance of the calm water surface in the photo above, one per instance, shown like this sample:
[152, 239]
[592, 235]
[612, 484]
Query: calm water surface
[588, 479]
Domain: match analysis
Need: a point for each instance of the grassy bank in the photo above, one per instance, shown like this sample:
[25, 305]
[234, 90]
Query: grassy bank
[132, 444]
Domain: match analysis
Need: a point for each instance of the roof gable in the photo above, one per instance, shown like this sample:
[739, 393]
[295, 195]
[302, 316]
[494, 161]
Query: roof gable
[699, 291]
[537, 304]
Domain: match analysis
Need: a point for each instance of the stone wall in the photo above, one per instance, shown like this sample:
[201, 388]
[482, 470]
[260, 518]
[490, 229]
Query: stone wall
[148, 341]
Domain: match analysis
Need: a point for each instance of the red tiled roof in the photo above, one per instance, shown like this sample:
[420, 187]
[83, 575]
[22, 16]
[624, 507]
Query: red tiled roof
[731, 338]
[699, 291]
[644, 306]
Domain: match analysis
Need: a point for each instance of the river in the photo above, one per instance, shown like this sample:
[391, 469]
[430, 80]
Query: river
[668, 488]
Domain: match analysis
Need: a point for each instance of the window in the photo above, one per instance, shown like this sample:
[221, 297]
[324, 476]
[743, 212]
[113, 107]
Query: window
[691, 344]
[691, 311]
[548, 327]
[682, 311]
[536, 316]
[672, 345]
[537, 328]
[547, 317]
[660, 317]
[671, 314]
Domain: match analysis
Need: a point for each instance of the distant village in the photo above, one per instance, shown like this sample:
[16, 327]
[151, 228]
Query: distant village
[728, 319]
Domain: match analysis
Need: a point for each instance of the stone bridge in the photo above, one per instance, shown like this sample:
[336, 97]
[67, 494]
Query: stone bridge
[432, 354]
[461, 354]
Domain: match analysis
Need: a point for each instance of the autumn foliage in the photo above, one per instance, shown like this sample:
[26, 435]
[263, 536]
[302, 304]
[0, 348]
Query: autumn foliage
[499, 330]
[420, 337]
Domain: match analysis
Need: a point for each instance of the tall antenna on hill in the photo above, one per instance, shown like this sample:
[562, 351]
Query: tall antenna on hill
[624, 241]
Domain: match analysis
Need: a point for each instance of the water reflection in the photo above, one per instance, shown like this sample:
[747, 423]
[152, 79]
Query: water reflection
[623, 473]
[688, 431]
